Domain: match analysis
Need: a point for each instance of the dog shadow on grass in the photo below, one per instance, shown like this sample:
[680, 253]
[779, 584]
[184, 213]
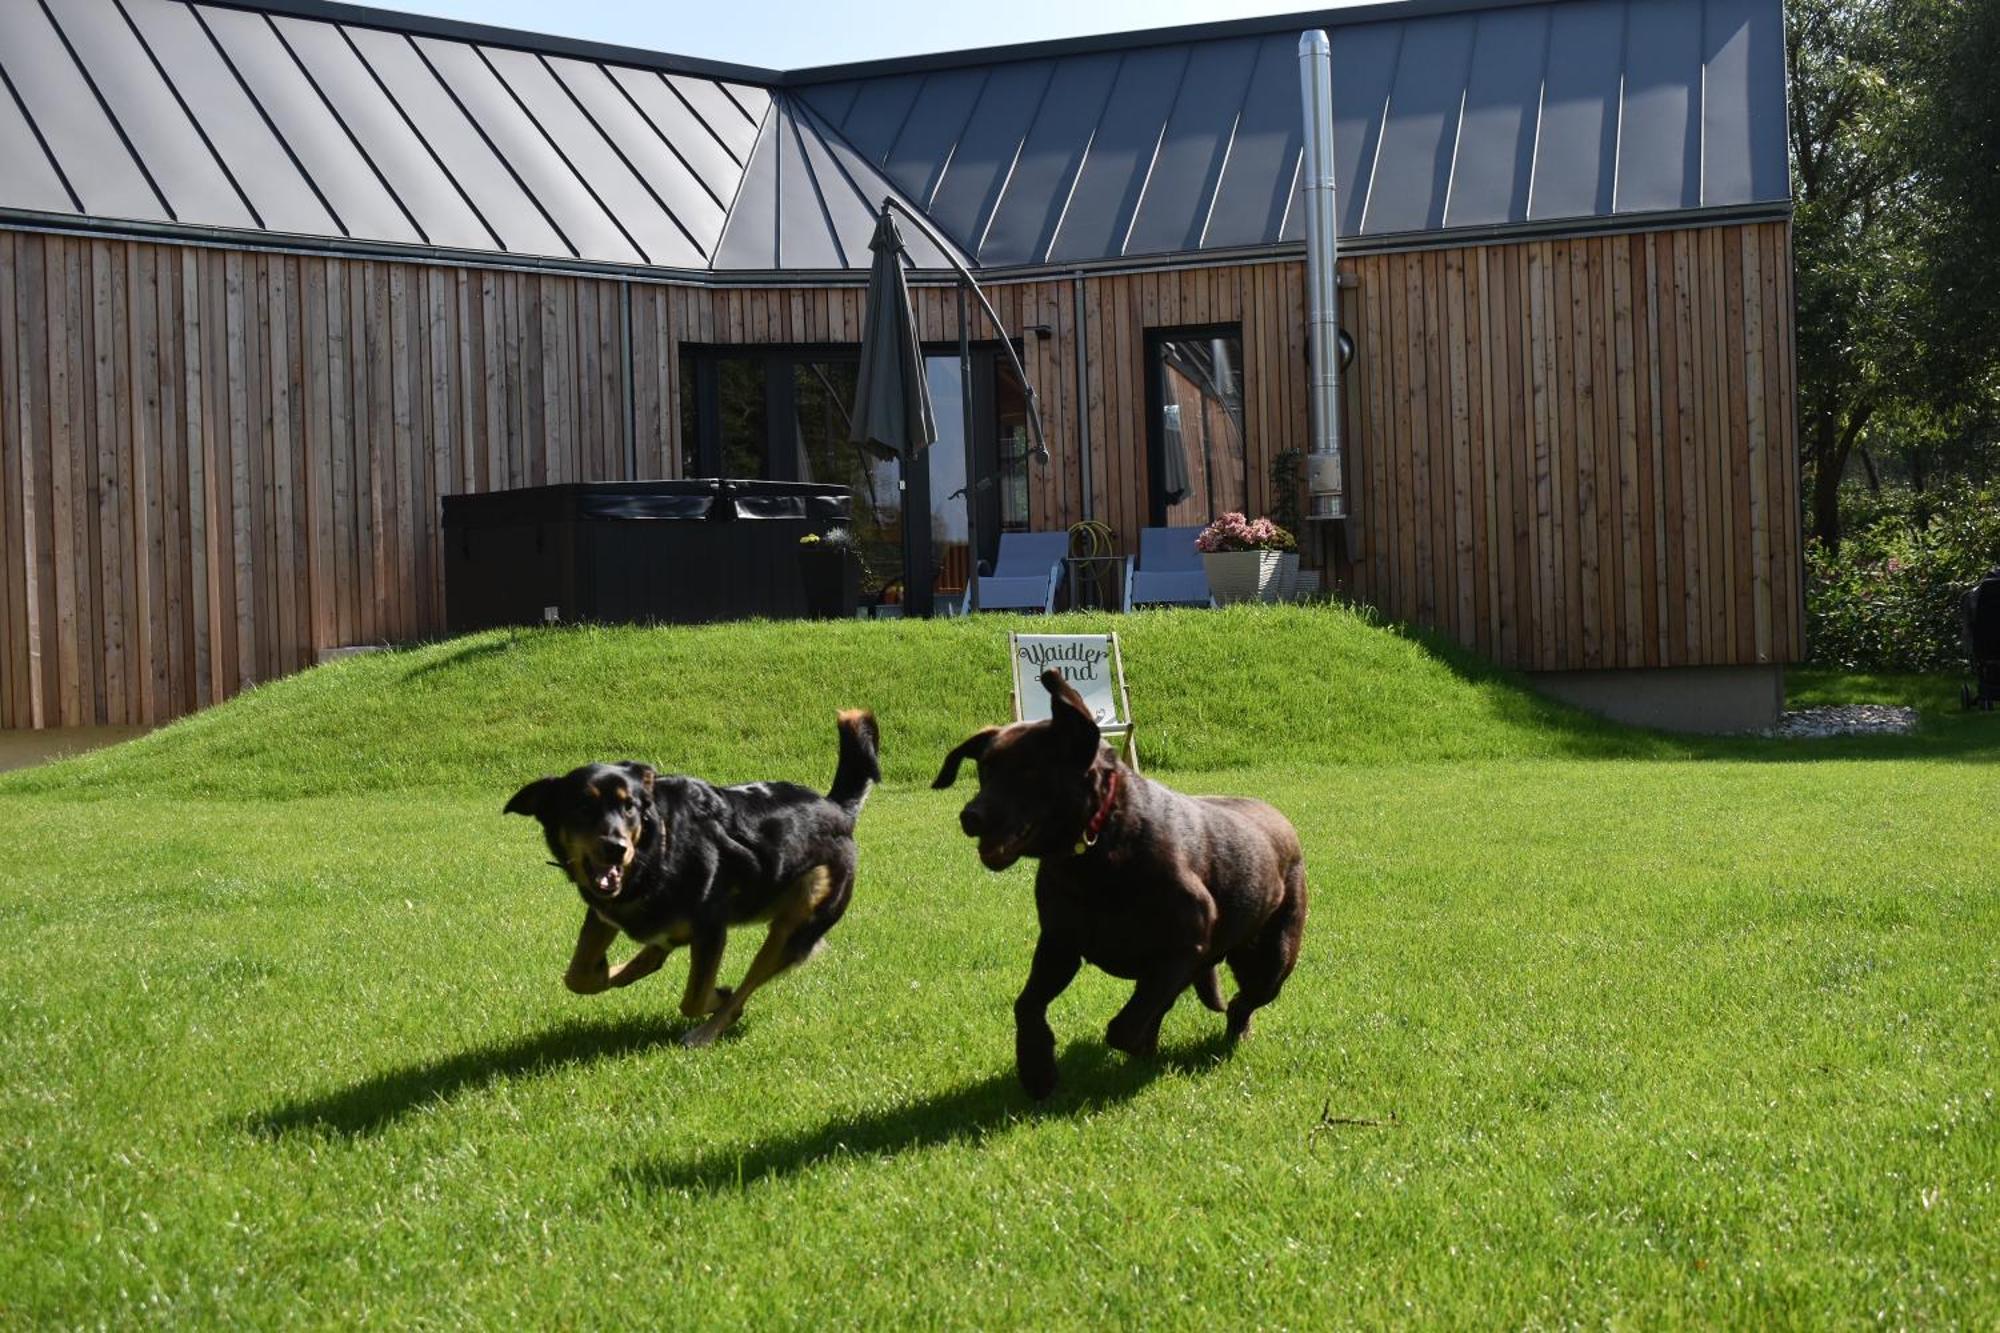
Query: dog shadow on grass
[376, 1102]
[1092, 1078]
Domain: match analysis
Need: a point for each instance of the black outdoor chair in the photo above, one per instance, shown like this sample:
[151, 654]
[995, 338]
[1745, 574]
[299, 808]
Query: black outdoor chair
[1981, 610]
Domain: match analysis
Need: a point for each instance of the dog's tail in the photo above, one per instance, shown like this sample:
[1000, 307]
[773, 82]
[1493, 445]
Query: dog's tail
[1209, 989]
[858, 769]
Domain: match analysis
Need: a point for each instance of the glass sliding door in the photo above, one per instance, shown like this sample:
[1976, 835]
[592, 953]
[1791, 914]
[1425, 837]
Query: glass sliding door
[783, 413]
[822, 399]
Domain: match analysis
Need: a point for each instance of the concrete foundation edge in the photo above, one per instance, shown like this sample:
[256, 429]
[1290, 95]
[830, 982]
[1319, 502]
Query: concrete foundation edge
[1699, 699]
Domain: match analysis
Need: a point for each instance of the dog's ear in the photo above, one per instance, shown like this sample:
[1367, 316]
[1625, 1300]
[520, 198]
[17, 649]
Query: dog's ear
[532, 799]
[643, 774]
[1072, 718]
[973, 747]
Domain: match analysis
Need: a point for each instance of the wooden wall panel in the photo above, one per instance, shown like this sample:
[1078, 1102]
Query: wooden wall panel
[1564, 453]
[217, 463]
[1615, 483]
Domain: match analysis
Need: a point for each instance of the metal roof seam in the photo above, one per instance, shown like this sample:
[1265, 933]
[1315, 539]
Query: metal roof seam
[200, 130]
[265, 114]
[812, 179]
[561, 156]
[1458, 131]
[1228, 146]
[822, 127]
[1373, 148]
[734, 99]
[90, 82]
[1701, 160]
[1618, 107]
[381, 176]
[1139, 200]
[702, 120]
[951, 154]
[493, 148]
[1291, 195]
[1082, 159]
[671, 146]
[417, 132]
[28, 118]
[619, 153]
[992, 206]
[902, 124]
[1541, 103]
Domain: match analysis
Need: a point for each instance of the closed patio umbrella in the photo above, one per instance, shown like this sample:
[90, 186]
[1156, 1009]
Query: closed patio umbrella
[892, 399]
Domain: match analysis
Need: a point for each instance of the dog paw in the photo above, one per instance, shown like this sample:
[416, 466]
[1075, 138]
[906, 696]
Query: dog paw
[1038, 1078]
[705, 1035]
[1132, 1038]
[1239, 1023]
[1035, 1061]
[588, 983]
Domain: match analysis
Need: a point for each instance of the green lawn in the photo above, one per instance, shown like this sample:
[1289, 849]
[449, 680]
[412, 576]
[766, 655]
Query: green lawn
[1591, 1025]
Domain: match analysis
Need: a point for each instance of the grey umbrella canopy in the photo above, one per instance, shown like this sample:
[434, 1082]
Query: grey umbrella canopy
[892, 399]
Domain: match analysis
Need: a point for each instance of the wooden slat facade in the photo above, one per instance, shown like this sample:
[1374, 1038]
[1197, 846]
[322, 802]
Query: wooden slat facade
[1566, 453]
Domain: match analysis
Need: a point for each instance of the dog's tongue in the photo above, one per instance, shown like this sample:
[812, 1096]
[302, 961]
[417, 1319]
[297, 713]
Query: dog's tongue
[609, 879]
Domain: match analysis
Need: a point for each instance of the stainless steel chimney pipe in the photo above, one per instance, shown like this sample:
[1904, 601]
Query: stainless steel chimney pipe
[1325, 476]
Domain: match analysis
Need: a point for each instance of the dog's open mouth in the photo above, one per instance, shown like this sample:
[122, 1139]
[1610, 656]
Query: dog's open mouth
[999, 853]
[604, 881]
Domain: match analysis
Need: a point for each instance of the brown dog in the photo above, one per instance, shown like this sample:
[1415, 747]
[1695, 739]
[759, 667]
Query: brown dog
[1144, 882]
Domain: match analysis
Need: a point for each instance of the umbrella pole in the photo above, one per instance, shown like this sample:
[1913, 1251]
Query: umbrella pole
[971, 475]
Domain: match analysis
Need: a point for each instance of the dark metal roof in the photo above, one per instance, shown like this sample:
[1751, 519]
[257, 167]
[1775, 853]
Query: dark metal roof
[308, 119]
[1489, 117]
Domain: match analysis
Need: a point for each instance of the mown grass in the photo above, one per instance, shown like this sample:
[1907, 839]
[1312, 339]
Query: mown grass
[739, 701]
[1591, 1025]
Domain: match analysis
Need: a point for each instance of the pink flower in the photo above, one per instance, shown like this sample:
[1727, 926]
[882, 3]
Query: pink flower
[1234, 532]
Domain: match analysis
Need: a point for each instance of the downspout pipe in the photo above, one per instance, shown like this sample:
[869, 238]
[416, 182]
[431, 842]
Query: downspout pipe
[1326, 480]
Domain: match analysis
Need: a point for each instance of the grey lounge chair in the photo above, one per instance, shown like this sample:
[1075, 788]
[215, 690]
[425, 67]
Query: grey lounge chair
[1169, 570]
[1025, 576]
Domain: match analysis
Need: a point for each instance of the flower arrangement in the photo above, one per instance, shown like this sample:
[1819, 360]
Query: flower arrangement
[1234, 532]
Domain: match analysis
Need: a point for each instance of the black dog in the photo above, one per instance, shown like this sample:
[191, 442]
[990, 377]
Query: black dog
[1144, 882]
[673, 861]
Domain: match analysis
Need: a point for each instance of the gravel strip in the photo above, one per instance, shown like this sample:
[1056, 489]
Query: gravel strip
[1844, 720]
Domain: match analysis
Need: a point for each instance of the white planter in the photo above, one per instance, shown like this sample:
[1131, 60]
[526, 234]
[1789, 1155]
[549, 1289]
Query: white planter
[1288, 576]
[1243, 576]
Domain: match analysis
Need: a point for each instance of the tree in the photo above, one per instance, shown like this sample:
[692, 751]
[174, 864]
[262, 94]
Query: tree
[1960, 160]
[1894, 132]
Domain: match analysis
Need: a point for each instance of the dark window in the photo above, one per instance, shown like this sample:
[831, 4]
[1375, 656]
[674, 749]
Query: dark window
[1198, 462]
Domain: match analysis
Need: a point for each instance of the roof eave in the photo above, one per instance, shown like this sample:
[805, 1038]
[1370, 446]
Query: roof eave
[390, 20]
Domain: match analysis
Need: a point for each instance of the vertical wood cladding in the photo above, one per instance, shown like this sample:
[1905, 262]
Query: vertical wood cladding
[214, 463]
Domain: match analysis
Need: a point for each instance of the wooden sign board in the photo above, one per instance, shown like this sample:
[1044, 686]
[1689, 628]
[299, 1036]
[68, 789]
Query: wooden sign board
[1094, 668]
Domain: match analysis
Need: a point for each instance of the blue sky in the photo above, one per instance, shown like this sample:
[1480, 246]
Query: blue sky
[793, 34]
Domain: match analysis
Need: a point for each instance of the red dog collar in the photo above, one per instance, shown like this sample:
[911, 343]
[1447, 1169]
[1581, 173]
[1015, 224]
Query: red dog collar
[1097, 821]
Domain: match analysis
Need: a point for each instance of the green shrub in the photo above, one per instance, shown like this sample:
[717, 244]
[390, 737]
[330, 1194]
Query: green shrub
[1889, 601]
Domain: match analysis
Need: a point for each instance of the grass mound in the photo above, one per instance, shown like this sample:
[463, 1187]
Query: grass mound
[1262, 686]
